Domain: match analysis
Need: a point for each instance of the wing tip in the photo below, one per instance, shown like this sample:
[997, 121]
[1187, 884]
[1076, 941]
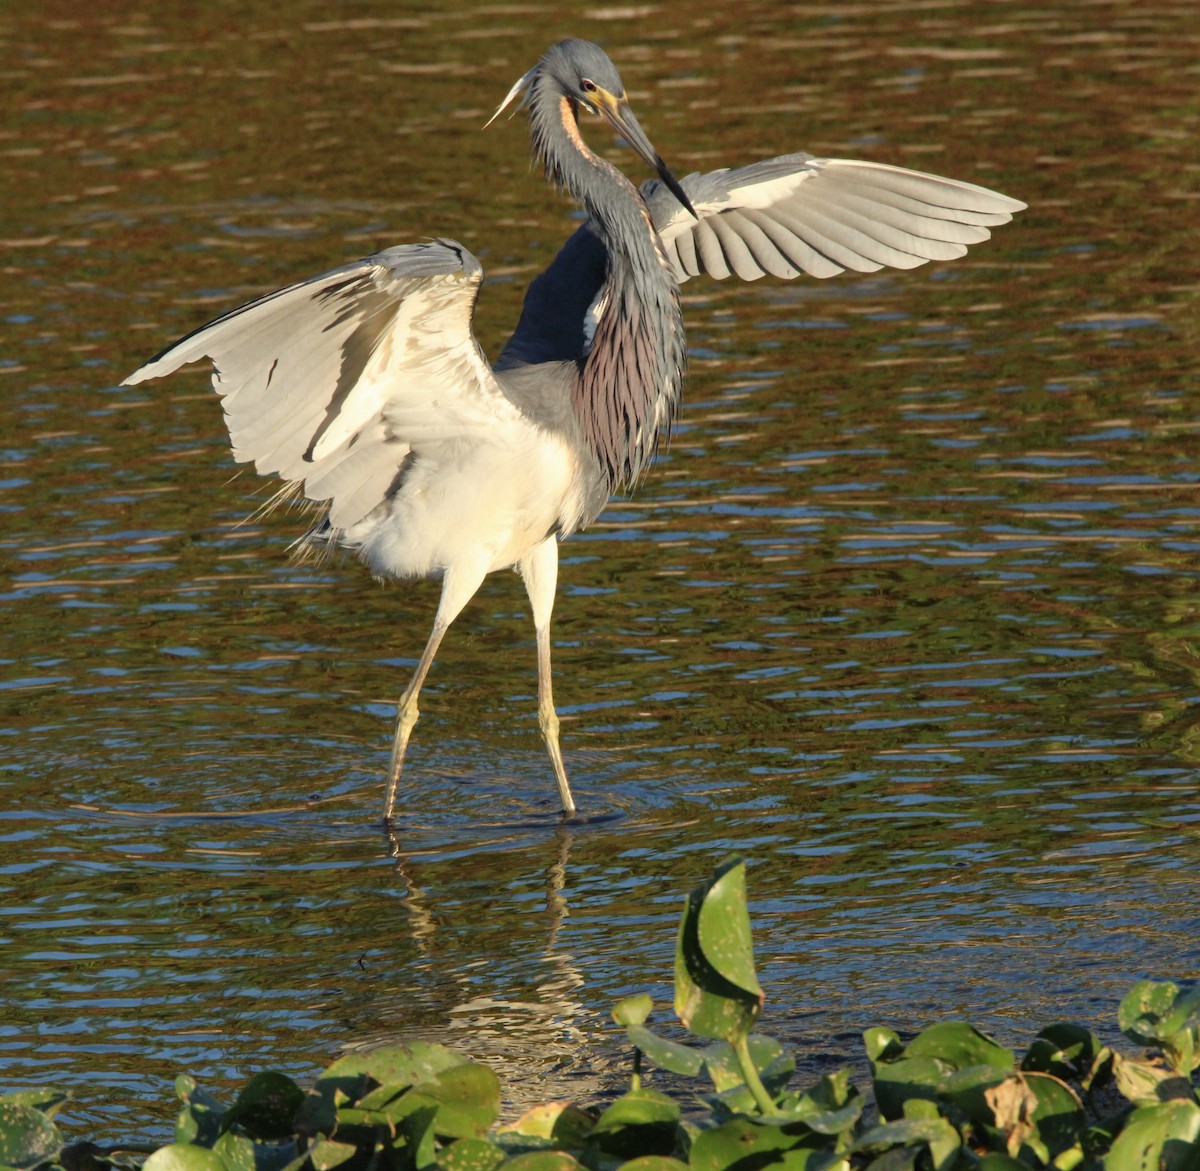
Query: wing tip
[143, 374]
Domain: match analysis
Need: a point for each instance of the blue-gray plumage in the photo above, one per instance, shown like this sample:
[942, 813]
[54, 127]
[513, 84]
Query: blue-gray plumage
[365, 391]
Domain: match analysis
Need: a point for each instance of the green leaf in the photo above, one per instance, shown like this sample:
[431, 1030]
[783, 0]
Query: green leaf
[1162, 1015]
[641, 1122]
[1164, 1137]
[325, 1154]
[922, 1109]
[470, 1154]
[1037, 1112]
[49, 1099]
[1067, 1051]
[959, 1045]
[467, 1099]
[183, 1157]
[937, 1135]
[199, 1122]
[896, 1082]
[1148, 1012]
[238, 1153]
[774, 1065]
[27, 1136]
[266, 1108]
[563, 1122]
[716, 989]
[831, 1106]
[666, 1054]
[882, 1045]
[1144, 1083]
[633, 1010]
[543, 1161]
[357, 1074]
[747, 1144]
[235, 1152]
[947, 1058]
[654, 1163]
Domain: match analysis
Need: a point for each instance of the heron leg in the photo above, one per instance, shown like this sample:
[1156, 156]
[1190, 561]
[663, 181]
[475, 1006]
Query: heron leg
[540, 571]
[457, 590]
[406, 716]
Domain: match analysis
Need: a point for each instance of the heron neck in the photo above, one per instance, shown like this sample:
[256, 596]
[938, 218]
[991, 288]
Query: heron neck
[627, 391]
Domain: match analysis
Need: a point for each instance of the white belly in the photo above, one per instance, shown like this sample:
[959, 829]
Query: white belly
[471, 505]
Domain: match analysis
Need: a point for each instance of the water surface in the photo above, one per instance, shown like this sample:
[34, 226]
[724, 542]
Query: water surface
[907, 614]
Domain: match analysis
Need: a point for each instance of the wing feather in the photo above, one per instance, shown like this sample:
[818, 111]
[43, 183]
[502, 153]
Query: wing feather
[796, 213]
[709, 253]
[336, 380]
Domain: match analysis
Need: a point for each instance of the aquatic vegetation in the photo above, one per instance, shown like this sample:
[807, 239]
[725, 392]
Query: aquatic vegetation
[948, 1099]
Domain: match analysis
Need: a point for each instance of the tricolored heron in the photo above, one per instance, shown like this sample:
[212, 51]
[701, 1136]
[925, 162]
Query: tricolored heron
[366, 391]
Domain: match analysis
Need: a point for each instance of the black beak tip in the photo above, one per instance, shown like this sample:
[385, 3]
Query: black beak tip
[673, 185]
[679, 193]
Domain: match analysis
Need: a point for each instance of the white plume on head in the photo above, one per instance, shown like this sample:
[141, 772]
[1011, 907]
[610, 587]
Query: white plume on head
[521, 83]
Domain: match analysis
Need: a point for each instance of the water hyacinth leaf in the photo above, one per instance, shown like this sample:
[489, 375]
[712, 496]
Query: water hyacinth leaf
[190, 1093]
[1143, 1083]
[407, 1064]
[666, 1054]
[274, 1156]
[924, 1068]
[1059, 1114]
[744, 1143]
[641, 1122]
[266, 1108]
[471, 1154]
[420, 1137]
[377, 1100]
[720, 1062]
[326, 1154]
[49, 1099]
[716, 989]
[1035, 1111]
[543, 1161]
[936, 1135]
[183, 1157]
[408, 1114]
[1064, 1050]
[563, 1122]
[882, 1045]
[897, 1082]
[1147, 1011]
[1163, 1137]
[357, 1074]
[959, 1045]
[995, 1161]
[831, 1106]
[27, 1136]
[968, 1089]
[633, 1010]
[1162, 1015]
[654, 1163]
[235, 1152]
[724, 928]
[828, 1123]
[199, 1122]
[467, 1098]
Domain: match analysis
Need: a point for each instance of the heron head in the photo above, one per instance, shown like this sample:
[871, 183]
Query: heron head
[582, 72]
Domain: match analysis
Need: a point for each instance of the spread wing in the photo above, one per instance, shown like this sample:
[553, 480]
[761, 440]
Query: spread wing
[799, 214]
[333, 381]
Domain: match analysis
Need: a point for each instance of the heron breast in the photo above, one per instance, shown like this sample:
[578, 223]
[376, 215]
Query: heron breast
[479, 504]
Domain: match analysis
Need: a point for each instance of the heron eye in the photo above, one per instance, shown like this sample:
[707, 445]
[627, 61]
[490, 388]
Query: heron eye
[588, 87]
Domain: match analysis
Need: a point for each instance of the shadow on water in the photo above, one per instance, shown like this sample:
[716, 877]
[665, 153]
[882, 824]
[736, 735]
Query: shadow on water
[907, 613]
